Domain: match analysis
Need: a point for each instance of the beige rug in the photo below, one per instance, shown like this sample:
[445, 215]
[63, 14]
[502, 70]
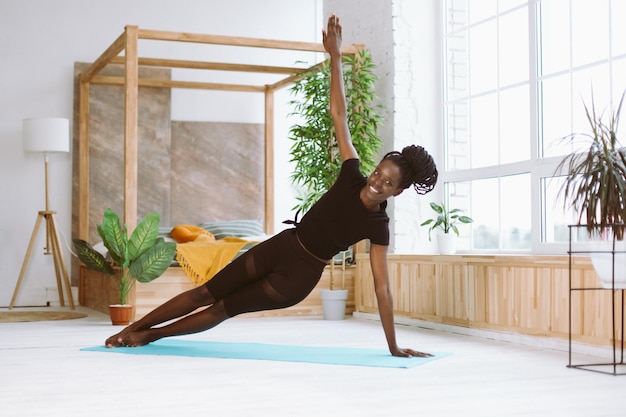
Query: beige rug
[23, 316]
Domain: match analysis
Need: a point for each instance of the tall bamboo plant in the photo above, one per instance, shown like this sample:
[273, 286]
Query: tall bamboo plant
[314, 149]
[595, 186]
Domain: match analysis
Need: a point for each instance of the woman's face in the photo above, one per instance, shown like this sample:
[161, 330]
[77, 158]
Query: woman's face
[384, 181]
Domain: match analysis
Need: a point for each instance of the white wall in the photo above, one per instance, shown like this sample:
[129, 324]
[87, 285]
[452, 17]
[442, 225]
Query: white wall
[417, 110]
[39, 42]
[403, 38]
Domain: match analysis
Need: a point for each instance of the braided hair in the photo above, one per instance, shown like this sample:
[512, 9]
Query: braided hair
[417, 167]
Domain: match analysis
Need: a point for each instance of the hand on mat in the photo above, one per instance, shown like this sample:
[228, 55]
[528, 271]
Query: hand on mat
[409, 353]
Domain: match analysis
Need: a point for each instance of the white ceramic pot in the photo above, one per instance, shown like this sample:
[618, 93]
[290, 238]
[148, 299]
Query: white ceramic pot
[446, 242]
[603, 265]
[334, 304]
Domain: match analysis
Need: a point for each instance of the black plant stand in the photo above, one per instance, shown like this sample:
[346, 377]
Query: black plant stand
[617, 366]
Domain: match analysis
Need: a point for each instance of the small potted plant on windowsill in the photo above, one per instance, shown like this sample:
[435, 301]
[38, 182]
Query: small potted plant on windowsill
[446, 220]
[144, 256]
[595, 188]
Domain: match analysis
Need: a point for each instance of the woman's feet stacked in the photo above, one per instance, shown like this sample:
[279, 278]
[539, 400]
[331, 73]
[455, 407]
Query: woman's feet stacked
[129, 337]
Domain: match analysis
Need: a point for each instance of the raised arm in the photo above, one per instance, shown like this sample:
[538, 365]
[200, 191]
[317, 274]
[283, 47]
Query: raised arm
[378, 261]
[338, 109]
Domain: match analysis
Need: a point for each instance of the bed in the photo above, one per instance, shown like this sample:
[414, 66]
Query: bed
[123, 139]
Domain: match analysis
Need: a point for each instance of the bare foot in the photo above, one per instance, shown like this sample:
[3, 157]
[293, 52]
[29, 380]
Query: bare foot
[117, 340]
[136, 338]
[114, 341]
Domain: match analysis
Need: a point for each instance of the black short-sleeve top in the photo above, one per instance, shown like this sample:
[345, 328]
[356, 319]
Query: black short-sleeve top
[339, 218]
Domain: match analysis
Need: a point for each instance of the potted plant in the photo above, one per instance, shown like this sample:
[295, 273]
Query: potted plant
[595, 188]
[314, 146]
[143, 256]
[446, 220]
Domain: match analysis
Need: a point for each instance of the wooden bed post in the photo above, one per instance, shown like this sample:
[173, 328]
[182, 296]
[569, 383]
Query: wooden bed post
[83, 160]
[269, 161]
[131, 93]
[85, 80]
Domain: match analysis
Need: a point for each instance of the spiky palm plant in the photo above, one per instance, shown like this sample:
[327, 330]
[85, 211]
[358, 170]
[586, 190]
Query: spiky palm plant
[595, 186]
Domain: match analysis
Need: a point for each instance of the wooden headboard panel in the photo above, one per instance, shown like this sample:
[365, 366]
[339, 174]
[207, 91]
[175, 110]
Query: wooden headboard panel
[189, 172]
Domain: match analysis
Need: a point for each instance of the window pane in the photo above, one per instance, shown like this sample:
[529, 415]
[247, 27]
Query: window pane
[590, 31]
[556, 115]
[483, 57]
[482, 9]
[554, 37]
[457, 66]
[514, 125]
[516, 212]
[459, 197]
[556, 216]
[619, 81]
[458, 139]
[513, 53]
[500, 209]
[504, 5]
[456, 12]
[590, 86]
[484, 131]
[485, 212]
[618, 28]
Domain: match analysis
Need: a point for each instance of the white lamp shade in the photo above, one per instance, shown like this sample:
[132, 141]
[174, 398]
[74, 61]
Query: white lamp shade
[46, 134]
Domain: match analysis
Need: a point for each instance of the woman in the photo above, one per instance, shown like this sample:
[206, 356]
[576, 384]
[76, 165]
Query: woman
[283, 270]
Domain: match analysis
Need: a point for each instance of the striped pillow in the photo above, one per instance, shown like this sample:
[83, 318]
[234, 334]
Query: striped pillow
[235, 228]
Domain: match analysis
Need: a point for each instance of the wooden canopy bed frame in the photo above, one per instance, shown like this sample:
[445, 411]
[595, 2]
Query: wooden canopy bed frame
[127, 43]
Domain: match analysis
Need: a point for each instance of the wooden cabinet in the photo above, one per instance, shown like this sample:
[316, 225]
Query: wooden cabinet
[520, 294]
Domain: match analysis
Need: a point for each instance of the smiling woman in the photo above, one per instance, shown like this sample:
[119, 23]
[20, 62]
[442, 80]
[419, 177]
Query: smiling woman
[281, 271]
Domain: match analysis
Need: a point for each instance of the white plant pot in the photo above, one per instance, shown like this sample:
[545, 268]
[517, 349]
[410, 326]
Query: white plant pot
[334, 304]
[603, 265]
[446, 242]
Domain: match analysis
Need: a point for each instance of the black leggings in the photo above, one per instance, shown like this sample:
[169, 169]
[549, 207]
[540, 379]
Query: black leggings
[274, 274]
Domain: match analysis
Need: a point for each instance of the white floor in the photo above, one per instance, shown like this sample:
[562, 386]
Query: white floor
[43, 373]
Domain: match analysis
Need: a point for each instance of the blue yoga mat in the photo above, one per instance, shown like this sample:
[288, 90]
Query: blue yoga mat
[272, 352]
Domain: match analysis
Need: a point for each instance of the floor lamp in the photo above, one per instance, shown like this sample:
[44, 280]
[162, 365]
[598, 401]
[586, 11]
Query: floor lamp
[47, 135]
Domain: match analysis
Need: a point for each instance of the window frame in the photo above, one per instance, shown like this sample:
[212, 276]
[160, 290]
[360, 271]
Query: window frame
[538, 166]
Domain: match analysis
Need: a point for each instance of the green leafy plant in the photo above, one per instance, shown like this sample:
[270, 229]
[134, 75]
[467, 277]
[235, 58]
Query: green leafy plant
[144, 256]
[595, 185]
[314, 149]
[446, 219]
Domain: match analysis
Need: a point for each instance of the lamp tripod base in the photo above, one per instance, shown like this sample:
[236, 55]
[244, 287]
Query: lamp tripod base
[52, 248]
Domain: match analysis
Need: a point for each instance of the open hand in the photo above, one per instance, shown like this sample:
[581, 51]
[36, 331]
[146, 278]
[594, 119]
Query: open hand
[331, 37]
[409, 353]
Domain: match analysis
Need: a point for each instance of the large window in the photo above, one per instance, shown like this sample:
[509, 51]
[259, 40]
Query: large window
[518, 74]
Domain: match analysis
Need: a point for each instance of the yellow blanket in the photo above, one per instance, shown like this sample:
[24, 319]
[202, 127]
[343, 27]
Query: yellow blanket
[202, 258]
